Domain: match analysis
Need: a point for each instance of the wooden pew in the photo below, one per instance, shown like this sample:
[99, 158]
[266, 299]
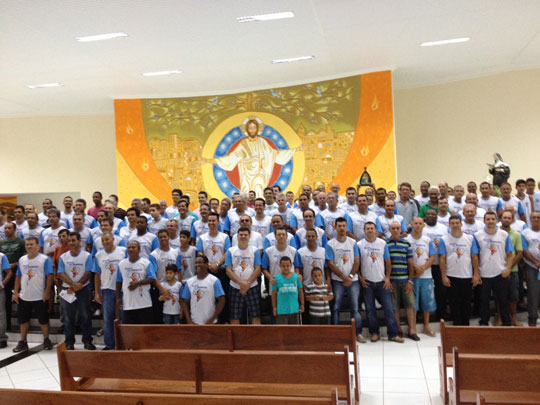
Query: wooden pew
[260, 373]
[40, 397]
[483, 340]
[502, 378]
[319, 338]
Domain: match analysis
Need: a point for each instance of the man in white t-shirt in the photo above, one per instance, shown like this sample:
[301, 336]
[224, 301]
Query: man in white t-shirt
[260, 222]
[255, 238]
[423, 197]
[309, 256]
[243, 263]
[200, 226]
[203, 298]
[309, 223]
[357, 220]
[375, 269]
[33, 228]
[232, 221]
[134, 276]
[350, 204]
[297, 214]
[48, 240]
[105, 266]
[495, 251]
[486, 200]
[157, 222]
[327, 218]
[443, 217]
[383, 221]
[507, 199]
[435, 231]
[531, 253]
[343, 259]
[273, 254]
[458, 259]
[172, 211]
[423, 258]
[470, 224]
[75, 269]
[282, 210]
[33, 283]
[456, 202]
[147, 241]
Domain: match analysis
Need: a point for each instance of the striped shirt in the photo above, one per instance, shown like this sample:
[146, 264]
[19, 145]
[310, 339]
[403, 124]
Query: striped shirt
[318, 309]
[400, 251]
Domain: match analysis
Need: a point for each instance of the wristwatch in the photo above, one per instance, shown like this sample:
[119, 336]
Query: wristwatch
[351, 276]
[410, 282]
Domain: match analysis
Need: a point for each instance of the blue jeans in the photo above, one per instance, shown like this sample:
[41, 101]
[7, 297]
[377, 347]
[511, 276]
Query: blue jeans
[109, 302]
[171, 319]
[353, 292]
[81, 306]
[384, 296]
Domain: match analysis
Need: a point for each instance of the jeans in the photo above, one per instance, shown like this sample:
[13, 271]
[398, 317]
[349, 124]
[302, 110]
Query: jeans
[171, 319]
[353, 292]
[499, 285]
[531, 277]
[384, 296]
[440, 292]
[3, 316]
[80, 306]
[109, 302]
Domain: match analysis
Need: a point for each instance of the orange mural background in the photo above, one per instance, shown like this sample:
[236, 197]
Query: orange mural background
[373, 145]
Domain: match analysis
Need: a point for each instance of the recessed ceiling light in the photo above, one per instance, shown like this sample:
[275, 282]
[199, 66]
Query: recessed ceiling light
[266, 17]
[162, 73]
[44, 85]
[445, 42]
[297, 59]
[101, 37]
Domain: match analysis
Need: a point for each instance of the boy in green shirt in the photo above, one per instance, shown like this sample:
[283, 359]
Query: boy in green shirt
[286, 292]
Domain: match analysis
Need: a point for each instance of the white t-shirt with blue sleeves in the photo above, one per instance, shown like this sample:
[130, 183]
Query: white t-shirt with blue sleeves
[202, 295]
[372, 259]
[75, 266]
[342, 254]
[243, 262]
[422, 249]
[106, 264]
[129, 271]
[33, 274]
[493, 249]
[458, 253]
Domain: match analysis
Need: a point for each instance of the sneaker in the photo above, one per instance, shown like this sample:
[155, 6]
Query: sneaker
[360, 339]
[89, 346]
[397, 339]
[375, 337]
[413, 336]
[47, 344]
[106, 348]
[21, 346]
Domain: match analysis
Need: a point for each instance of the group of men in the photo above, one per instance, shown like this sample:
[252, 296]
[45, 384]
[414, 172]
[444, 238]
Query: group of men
[156, 263]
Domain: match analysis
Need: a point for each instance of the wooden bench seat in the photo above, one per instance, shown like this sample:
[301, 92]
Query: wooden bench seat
[41, 397]
[202, 372]
[239, 338]
[483, 340]
[501, 378]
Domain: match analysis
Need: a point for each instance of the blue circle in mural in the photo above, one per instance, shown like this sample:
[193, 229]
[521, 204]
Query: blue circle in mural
[231, 139]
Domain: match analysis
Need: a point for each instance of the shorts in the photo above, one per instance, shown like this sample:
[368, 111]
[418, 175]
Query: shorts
[513, 286]
[399, 296]
[425, 294]
[40, 308]
[237, 302]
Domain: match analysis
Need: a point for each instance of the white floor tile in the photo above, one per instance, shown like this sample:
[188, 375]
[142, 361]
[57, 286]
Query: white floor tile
[371, 398]
[406, 399]
[27, 364]
[436, 399]
[412, 360]
[55, 372]
[371, 384]
[30, 375]
[375, 371]
[5, 382]
[405, 385]
[404, 372]
[50, 358]
[38, 384]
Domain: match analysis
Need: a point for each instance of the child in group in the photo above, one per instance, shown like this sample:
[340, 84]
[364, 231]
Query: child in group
[318, 297]
[286, 293]
[171, 306]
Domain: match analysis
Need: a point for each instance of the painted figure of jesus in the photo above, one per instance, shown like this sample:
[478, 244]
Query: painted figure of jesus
[255, 159]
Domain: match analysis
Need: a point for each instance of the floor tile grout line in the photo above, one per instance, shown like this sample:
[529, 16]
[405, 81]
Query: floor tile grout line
[424, 372]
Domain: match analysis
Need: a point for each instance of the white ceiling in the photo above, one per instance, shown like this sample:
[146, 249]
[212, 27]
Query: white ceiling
[219, 55]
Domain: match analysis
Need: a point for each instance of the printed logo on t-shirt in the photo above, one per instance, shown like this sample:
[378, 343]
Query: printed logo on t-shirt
[436, 242]
[345, 258]
[199, 294]
[185, 264]
[30, 274]
[418, 252]
[111, 268]
[214, 249]
[75, 271]
[459, 253]
[51, 242]
[134, 277]
[493, 249]
[243, 265]
[373, 257]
